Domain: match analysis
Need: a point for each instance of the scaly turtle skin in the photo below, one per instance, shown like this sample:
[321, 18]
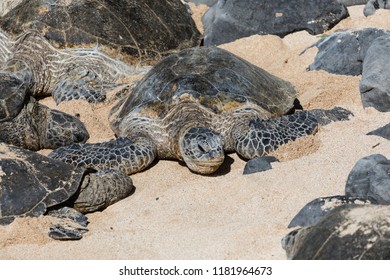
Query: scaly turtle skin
[348, 232]
[7, 5]
[65, 74]
[195, 106]
[32, 185]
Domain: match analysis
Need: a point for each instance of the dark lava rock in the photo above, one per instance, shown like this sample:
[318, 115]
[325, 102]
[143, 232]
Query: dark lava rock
[316, 209]
[259, 164]
[343, 52]
[358, 182]
[227, 21]
[373, 5]
[379, 192]
[367, 183]
[348, 232]
[352, 2]
[383, 131]
[370, 5]
[375, 82]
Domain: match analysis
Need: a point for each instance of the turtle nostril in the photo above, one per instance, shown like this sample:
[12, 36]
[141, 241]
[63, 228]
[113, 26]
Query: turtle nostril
[201, 148]
[81, 137]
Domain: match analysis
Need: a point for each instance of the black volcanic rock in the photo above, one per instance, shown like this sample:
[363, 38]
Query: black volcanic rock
[227, 21]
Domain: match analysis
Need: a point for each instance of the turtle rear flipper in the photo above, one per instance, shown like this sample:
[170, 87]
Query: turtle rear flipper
[101, 189]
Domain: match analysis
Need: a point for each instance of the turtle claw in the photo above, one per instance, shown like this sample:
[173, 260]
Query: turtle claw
[59, 232]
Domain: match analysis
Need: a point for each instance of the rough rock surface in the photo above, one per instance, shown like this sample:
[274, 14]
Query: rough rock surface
[343, 52]
[383, 131]
[229, 20]
[259, 164]
[348, 232]
[375, 83]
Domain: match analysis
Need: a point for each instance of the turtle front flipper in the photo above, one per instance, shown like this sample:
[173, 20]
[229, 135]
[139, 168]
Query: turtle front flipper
[83, 85]
[124, 154]
[259, 137]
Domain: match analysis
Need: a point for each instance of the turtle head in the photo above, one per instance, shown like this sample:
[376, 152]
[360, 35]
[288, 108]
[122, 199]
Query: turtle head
[39, 127]
[56, 128]
[202, 149]
[63, 129]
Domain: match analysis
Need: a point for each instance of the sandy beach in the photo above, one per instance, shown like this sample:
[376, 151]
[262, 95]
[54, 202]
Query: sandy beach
[176, 214]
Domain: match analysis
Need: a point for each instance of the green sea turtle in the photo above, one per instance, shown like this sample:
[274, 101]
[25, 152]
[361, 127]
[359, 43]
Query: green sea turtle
[348, 232]
[32, 185]
[195, 106]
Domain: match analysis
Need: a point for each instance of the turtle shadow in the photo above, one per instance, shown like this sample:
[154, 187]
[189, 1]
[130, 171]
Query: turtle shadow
[150, 166]
[224, 169]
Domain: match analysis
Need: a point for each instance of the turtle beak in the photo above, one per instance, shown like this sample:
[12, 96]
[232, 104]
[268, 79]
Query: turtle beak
[202, 150]
[206, 167]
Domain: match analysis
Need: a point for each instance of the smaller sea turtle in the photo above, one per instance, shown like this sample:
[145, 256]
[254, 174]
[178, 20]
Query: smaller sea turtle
[348, 232]
[32, 185]
[63, 73]
[195, 106]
